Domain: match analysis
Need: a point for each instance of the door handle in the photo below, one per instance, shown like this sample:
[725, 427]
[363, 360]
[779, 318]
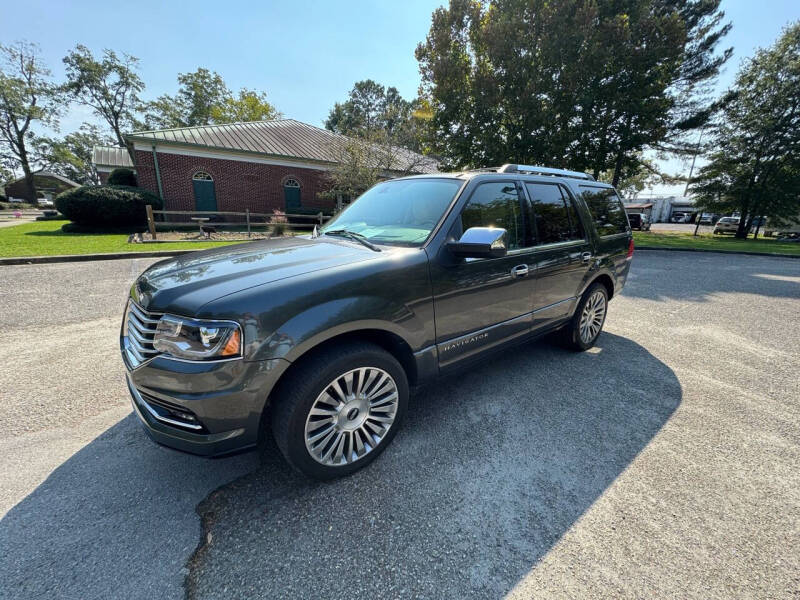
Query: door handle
[519, 271]
[586, 257]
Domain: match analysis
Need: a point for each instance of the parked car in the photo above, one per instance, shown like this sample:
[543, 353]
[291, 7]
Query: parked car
[681, 217]
[319, 339]
[44, 202]
[758, 223]
[782, 228]
[726, 225]
[708, 219]
[639, 221]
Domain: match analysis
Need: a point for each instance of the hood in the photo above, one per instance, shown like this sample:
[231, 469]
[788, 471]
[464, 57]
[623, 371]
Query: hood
[182, 285]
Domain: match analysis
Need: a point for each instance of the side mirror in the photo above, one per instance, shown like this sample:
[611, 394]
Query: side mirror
[480, 242]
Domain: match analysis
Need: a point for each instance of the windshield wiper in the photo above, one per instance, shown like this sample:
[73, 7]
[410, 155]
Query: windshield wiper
[354, 236]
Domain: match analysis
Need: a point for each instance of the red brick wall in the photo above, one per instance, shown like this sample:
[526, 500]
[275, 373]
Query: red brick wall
[238, 185]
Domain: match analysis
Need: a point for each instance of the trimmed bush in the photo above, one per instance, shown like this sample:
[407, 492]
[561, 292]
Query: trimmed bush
[107, 205]
[81, 228]
[122, 176]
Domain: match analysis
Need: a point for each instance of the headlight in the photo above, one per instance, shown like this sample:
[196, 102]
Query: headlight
[197, 340]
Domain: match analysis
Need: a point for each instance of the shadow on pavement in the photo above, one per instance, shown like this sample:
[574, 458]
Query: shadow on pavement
[490, 469]
[117, 520]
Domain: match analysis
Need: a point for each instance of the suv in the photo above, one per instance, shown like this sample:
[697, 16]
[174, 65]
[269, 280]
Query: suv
[639, 221]
[320, 337]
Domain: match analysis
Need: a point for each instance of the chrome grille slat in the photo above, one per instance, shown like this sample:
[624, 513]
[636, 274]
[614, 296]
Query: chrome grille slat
[141, 331]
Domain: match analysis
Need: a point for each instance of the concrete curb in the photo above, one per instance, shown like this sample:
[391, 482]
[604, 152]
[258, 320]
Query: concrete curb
[38, 260]
[770, 254]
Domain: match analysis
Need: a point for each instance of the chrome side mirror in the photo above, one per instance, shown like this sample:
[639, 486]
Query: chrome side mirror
[480, 242]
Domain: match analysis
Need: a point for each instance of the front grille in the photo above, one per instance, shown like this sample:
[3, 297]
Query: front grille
[141, 331]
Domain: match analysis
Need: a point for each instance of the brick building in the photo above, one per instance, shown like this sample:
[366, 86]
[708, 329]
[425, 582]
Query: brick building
[260, 166]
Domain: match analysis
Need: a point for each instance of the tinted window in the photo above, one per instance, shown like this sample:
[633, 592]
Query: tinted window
[606, 210]
[495, 205]
[554, 216]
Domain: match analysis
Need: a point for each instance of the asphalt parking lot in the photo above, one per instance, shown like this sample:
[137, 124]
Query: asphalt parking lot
[663, 463]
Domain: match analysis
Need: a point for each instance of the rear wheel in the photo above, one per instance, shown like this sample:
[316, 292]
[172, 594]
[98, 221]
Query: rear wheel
[584, 328]
[339, 409]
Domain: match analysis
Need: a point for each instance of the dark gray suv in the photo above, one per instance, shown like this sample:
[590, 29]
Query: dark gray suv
[320, 338]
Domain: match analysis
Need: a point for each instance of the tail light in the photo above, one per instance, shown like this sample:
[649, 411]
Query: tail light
[630, 250]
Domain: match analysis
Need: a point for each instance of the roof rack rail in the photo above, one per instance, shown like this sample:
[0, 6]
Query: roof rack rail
[536, 170]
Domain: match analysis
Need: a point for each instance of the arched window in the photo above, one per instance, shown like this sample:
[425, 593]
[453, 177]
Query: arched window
[202, 176]
[291, 194]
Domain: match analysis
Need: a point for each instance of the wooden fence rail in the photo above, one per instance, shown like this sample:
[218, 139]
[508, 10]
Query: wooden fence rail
[268, 219]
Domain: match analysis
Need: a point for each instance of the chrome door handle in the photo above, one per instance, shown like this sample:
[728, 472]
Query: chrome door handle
[519, 271]
[586, 257]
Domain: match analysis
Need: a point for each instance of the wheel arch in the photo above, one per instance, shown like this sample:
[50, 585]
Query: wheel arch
[385, 339]
[606, 280]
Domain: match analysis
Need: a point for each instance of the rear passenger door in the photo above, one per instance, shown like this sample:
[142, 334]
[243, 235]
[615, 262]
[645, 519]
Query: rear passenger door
[562, 251]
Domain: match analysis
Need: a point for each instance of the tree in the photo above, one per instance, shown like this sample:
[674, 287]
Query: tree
[755, 167]
[109, 85]
[586, 85]
[372, 108]
[204, 99]
[71, 157]
[27, 96]
[250, 105]
[364, 161]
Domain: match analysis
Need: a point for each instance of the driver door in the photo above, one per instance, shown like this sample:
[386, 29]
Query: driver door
[482, 302]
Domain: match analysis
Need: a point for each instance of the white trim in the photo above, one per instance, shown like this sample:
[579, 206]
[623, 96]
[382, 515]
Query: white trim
[107, 169]
[237, 156]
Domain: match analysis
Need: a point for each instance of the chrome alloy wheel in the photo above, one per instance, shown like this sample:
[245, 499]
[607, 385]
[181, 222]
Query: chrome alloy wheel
[351, 416]
[594, 311]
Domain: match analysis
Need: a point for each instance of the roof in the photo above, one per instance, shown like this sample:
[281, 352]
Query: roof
[47, 174]
[285, 138]
[111, 156]
[646, 205]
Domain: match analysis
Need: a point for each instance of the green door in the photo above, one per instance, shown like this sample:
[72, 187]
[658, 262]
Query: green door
[204, 196]
[291, 195]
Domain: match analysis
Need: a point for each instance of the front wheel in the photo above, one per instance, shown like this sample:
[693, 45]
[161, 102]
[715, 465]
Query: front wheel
[339, 409]
[583, 329]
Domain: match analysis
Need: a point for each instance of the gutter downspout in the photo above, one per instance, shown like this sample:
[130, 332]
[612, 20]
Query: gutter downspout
[158, 174]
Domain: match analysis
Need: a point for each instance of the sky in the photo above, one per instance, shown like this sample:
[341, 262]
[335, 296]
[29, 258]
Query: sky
[306, 54]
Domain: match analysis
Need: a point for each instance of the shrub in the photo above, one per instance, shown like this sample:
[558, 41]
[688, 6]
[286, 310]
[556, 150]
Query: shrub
[81, 228]
[278, 221]
[107, 205]
[122, 176]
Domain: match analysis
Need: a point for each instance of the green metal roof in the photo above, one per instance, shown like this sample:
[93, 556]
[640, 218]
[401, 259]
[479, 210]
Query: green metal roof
[284, 138]
[111, 156]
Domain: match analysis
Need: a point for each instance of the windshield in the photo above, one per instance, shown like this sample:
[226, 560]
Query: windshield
[401, 211]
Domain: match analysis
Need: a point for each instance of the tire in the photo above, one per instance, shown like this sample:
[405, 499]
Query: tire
[354, 388]
[571, 336]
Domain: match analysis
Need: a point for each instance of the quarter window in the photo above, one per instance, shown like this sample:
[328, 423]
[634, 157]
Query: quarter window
[554, 216]
[606, 210]
[496, 205]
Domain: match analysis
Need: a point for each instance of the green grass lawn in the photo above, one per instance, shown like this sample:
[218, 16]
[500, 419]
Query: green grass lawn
[707, 241]
[45, 238]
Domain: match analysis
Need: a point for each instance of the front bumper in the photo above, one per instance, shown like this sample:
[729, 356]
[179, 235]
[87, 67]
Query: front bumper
[209, 408]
